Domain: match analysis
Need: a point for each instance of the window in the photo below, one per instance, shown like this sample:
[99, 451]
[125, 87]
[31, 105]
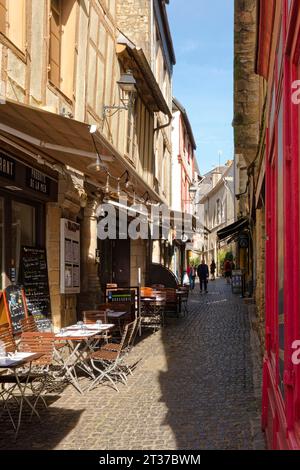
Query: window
[62, 45]
[55, 43]
[131, 139]
[102, 66]
[157, 56]
[223, 218]
[23, 230]
[218, 212]
[13, 21]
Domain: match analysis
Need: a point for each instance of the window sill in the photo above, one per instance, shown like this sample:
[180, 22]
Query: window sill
[57, 90]
[22, 55]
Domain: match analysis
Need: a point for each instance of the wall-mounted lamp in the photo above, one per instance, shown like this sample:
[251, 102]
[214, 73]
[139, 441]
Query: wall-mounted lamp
[193, 191]
[127, 94]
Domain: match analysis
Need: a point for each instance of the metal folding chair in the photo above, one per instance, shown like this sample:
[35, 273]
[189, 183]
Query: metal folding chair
[108, 361]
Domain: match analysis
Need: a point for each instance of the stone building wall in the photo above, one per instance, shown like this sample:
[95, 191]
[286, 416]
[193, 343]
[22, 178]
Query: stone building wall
[133, 19]
[260, 274]
[248, 112]
[246, 82]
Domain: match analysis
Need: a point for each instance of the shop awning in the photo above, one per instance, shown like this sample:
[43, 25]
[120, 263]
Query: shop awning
[233, 229]
[63, 140]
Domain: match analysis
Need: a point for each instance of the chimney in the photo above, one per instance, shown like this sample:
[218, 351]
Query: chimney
[216, 176]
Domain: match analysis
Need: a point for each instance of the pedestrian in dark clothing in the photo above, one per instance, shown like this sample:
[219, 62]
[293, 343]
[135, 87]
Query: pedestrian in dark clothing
[228, 270]
[203, 274]
[213, 269]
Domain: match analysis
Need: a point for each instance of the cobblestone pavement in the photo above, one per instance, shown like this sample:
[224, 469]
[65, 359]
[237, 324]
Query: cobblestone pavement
[192, 389]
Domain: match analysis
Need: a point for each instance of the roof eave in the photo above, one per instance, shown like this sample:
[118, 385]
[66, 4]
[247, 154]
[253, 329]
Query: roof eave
[127, 52]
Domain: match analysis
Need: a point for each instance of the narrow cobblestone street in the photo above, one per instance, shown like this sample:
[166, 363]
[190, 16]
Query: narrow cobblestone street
[192, 389]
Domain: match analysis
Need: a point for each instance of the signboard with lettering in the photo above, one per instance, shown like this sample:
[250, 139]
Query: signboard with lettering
[37, 181]
[15, 175]
[69, 257]
[237, 282]
[7, 167]
[15, 304]
[34, 278]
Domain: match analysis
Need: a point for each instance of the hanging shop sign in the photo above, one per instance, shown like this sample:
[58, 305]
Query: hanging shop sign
[243, 240]
[69, 257]
[26, 178]
[37, 181]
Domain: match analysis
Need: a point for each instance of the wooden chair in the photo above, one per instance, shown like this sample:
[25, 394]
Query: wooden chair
[146, 292]
[28, 324]
[171, 300]
[91, 316]
[33, 383]
[7, 339]
[4, 326]
[110, 360]
[39, 342]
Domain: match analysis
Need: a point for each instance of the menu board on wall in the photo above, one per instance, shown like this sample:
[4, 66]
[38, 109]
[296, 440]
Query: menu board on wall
[15, 304]
[34, 278]
[69, 257]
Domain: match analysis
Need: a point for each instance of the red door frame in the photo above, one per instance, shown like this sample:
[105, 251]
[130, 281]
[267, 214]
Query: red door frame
[293, 68]
[281, 415]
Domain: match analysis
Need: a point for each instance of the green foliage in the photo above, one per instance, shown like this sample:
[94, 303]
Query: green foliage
[194, 262]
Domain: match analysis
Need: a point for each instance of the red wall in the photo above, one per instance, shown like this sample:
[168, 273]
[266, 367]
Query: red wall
[281, 378]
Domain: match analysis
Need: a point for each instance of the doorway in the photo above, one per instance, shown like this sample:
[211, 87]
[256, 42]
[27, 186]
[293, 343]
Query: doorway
[121, 262]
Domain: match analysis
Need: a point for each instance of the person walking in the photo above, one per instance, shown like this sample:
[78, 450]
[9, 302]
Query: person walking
[192, 276]
[228, 270]
[203, 274]
[213, 269]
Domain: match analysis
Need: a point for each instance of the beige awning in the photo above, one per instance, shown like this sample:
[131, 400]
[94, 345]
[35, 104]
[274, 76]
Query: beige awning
[63, 140]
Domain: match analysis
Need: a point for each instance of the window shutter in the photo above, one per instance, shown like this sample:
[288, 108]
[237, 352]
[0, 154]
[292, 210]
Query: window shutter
[3, 16]
[54, 48]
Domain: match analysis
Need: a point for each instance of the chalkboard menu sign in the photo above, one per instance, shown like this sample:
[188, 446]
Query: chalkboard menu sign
[34, 277]
[15, 303]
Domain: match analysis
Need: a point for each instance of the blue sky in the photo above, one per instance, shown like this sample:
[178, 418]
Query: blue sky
[202, 32]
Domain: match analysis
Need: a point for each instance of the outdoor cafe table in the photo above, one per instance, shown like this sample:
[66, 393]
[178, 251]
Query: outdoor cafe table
[15, 363]
[79, 341]
[118, 316]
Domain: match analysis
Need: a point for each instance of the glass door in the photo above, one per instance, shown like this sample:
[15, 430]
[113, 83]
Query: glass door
[23, 233]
